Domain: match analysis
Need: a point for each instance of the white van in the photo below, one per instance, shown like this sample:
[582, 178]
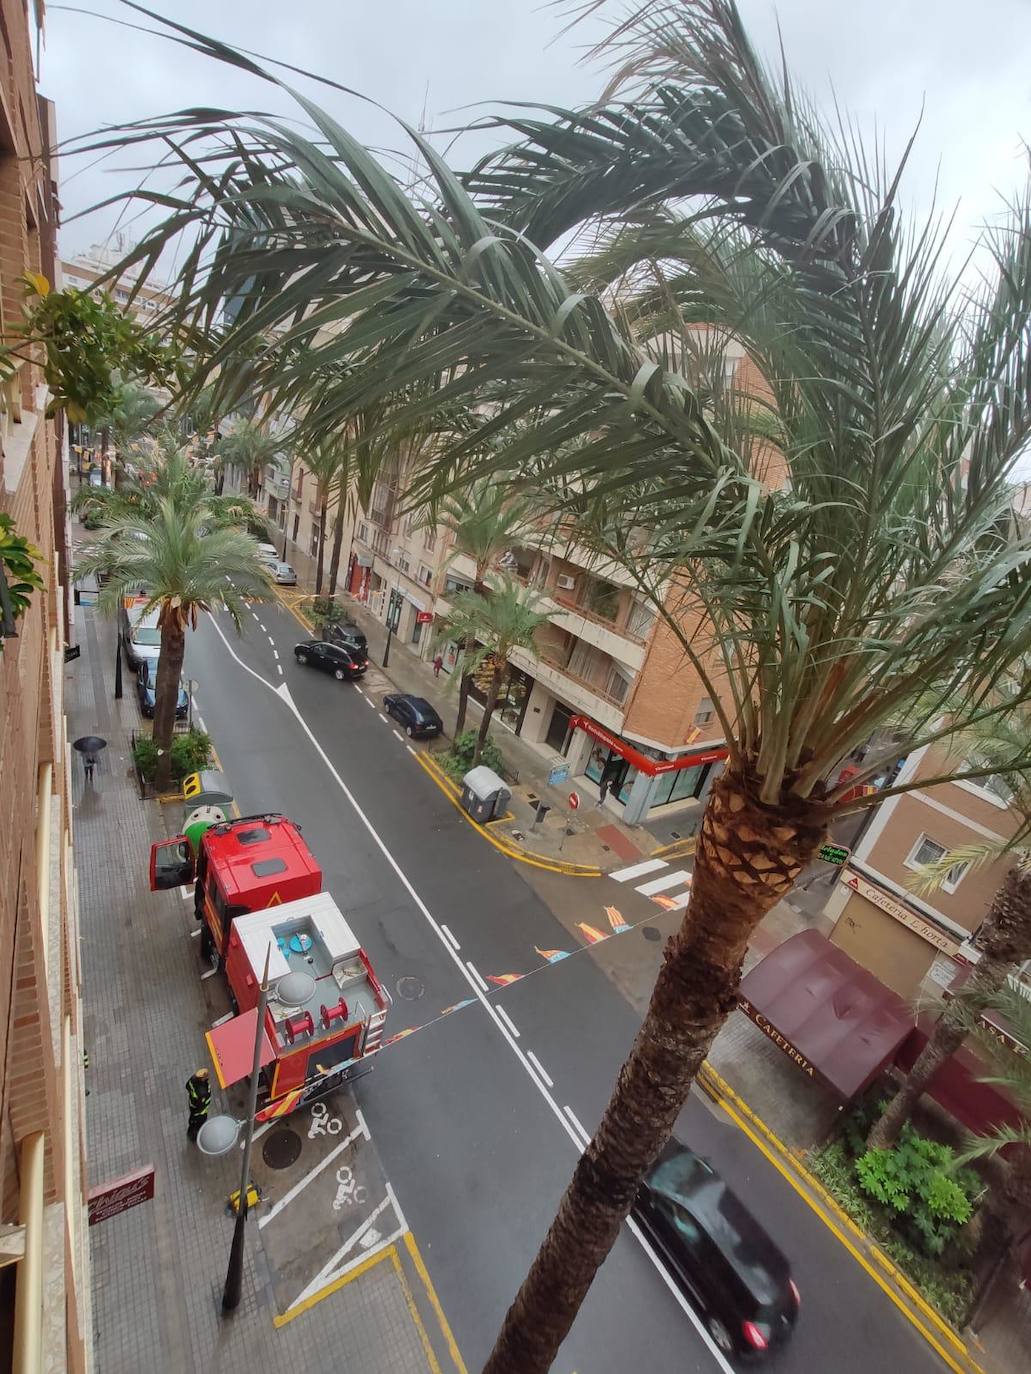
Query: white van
[141, 637]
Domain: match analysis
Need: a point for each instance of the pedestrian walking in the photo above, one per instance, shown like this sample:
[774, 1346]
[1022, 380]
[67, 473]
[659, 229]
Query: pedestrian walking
[438, 663]
[609, 774]
[198, 1099]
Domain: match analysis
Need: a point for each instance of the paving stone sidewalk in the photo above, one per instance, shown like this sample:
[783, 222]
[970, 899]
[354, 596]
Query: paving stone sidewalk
[158, 1269]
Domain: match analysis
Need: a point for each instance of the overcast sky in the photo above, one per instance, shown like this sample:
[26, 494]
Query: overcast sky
[967, 65]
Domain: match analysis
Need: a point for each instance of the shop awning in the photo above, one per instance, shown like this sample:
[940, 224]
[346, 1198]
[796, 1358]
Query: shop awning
[231, 1046]
[650, 767]
[830, 1016]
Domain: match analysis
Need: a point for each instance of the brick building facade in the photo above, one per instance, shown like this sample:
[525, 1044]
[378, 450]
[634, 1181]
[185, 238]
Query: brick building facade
[44, 1272]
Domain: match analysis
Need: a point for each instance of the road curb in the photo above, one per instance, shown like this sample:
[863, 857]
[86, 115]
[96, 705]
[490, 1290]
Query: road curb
[931, 1325]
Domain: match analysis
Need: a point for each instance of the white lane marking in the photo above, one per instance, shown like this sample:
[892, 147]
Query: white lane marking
[678, 903]
[263, 627]
[399, 735]
[326, 1273]
[302, 1183]
[449, 937]
[223, 1019]
[359, 690]
[283, 691]
[279, 669]
[397, 1207]
[667, 880]
[195, 933]
[383, 718]
[369, 702]
[255, 615]
[623, 875]
[549, 1082]
[275, 654]
[476, 976]
[200, 722]
[508, 1021]
[578, 1126]
[409, 748]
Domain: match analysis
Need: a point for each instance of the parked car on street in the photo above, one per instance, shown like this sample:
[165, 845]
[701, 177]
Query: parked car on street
[146, 684]
[415, 714]
[283, 574]
[718, 1254]
[331, 658]
[141, 638]
[268, 554]
[347, 634]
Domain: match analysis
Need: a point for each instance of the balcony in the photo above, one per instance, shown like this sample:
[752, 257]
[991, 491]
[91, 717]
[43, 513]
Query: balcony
[577, 691]
[594, 629]
[277, 484]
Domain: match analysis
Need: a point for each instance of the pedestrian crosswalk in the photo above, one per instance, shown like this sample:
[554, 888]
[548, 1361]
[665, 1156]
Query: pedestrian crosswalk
[660, 880]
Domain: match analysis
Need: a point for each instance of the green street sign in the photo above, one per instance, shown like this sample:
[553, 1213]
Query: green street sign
[834, 853]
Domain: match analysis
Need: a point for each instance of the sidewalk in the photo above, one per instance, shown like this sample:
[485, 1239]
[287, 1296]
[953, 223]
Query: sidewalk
[158, 1269]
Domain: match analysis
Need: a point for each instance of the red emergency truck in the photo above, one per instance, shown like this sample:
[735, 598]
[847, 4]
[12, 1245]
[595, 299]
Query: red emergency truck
[259, 890]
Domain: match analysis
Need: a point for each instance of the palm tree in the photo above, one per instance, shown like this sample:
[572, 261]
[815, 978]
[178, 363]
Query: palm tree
[881, 582]
[1004, 937]
[250, 447]
[130, 419]
[170, 474]
[483, 520]
[490, 623]
[329, 464]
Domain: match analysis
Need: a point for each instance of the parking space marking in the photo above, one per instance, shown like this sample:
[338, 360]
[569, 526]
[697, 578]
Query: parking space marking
[369, 702]
[302, 1183]
[508, 1021]
[399, 735]
[549, 1082]
[475, 974]
[449, 937]
[383, 718]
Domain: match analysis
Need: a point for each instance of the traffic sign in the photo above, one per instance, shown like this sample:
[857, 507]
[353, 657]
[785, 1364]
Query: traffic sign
[574, 800]
[834, 853]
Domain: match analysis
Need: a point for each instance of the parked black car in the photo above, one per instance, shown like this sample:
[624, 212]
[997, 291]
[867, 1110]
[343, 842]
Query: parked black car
[718, 1254]
[342, 662]
[146, 684]
[415, 713]
[348, 635]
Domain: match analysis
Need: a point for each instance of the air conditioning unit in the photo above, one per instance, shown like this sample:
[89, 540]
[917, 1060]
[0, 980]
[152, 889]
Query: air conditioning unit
[566, 582]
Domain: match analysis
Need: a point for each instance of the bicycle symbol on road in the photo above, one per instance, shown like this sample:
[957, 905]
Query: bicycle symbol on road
[350, 1193]
[322, 1123]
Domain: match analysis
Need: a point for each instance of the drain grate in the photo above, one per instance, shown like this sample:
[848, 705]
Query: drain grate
[651, 933]
[281, 1149]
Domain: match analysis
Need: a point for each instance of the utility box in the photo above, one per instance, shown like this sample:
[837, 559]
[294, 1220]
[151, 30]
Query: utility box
[484, 794]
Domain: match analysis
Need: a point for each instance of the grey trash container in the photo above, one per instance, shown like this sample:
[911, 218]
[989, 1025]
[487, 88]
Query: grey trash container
[484, 794]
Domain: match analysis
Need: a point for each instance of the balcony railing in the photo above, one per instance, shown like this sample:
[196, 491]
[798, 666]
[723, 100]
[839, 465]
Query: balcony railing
[567, 603]
[588, 686]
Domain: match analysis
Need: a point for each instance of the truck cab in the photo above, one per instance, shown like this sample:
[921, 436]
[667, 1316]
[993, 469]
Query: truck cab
[239, 866]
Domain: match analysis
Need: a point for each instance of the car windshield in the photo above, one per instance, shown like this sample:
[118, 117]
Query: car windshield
[146, 634]
[421, 706]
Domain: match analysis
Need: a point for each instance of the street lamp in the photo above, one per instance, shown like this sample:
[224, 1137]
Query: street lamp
[393, 610]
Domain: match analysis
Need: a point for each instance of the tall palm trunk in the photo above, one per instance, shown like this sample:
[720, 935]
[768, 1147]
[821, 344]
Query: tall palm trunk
[490, 706]
[468, 649]
[320, 561]
[1006, 942]
[166, 694]
[747, 858]
[338, 539]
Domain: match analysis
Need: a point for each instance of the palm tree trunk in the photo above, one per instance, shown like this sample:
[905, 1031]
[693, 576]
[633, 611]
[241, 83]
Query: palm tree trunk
[497, 677]
[747, 858]
[1006, 940]
[166, 694]
[468, 649]
[105, 439]
[321, 560]
[338, 539]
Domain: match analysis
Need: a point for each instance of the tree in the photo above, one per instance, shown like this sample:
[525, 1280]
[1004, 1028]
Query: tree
[882, 581]
[491, 623]
[329, 464]
[18, 559]
[483, 520]
[250, 447]
[1004, 937]
[187, 561]
[133, 408]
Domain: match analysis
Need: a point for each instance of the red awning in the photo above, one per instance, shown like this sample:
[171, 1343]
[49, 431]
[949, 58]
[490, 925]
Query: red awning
[231, 1046]
[650, 767]
[829, 1015]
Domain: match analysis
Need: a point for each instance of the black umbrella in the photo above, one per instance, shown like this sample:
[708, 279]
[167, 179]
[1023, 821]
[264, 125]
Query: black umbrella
[89, 744]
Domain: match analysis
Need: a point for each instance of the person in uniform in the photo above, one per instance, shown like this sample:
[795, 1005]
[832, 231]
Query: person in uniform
[198, 1100]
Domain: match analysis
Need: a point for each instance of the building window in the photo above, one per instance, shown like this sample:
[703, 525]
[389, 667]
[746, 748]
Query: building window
[640, 621]
[617, 687]
[403, 561]
[425, 575]
[998, 789]
[928, 851]
[429, 539]
[453, 584]
[363, 532]
[705, 712]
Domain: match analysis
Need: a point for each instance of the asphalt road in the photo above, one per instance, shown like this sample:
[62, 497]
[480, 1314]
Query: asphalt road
[478, 1141]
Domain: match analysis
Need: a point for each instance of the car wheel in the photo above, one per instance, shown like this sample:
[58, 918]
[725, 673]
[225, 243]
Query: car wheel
[339, 674]
[720, 1335]
[409, 732]
[301, 658]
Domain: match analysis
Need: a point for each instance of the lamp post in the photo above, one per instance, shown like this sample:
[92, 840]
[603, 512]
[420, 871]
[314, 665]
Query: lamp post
[118, 668]
[286, 507]
[393, 612]
[234, 1274]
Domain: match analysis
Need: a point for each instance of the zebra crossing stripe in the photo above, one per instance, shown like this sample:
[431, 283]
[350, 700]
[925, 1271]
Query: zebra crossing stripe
[667, 880]
[624, 875]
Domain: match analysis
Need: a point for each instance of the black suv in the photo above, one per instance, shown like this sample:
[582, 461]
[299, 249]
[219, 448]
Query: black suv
[718, 1253]
[337, 659]
[349, 636]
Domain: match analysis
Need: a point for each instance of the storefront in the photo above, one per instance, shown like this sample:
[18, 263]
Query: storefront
[639, 777]
[515, 693]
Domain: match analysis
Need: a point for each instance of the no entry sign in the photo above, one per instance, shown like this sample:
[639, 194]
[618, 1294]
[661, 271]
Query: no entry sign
[108, 1199]
[574, 800]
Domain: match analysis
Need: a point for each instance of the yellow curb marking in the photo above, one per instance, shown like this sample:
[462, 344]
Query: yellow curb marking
[427, 1348]
[281, 1319]
[738, 1111]
[435, 1303]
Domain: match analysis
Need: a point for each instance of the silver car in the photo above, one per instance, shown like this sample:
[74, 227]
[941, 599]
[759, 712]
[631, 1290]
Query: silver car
[283, 574]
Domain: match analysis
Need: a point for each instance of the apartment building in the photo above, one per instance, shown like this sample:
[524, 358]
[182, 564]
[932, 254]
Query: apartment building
[44, 1256]
[85, 269]
[922, 946]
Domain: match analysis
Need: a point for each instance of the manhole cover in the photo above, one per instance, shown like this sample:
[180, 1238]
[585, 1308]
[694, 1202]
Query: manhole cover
[281, 1149]
[651, 933]
[411, 989]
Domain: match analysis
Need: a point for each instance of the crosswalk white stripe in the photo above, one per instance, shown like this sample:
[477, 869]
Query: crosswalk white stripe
[667, 880]
[680, 902]
[623, 875]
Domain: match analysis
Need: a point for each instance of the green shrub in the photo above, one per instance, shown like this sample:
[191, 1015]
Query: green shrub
[917, 1180]
[459, 758]
[326, 610]
[190, 753]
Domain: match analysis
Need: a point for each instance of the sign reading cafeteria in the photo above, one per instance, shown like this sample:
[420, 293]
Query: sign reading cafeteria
[108, 1199]
[886, 902]
[771, 1031]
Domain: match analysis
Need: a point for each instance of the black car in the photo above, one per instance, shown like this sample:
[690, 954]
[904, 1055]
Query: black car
[718, 1254]
[332, 658]
[348, 635]
[415, 713]
[146, 685]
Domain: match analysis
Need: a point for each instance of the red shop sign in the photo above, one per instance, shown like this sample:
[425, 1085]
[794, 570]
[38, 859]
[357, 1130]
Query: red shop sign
[108, 1199]
[424, 617]
[650, 767]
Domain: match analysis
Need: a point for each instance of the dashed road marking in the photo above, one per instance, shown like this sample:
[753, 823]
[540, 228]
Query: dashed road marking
[383, 718]
[279, 669]
[409, 748]
[449, 937]
[200, 722]
[577, 1126]
[549, 1082]
[399, 735]
[508, 1021]
[369, 702]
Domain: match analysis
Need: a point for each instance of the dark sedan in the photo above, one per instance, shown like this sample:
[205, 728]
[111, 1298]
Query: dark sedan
[415, 714]
[146, 683]
[343, 663]
[718, 1254]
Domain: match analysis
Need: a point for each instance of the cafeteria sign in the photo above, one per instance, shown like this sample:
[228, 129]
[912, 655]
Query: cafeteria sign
[108, 1199]
[772, 1033]
[905, 917]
